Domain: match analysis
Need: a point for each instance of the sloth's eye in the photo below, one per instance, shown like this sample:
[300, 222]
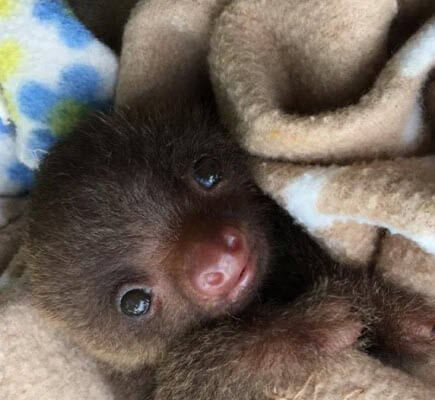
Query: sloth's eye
[135, 302]
[207, 172]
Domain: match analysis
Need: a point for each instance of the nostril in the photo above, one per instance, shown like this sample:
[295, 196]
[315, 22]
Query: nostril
[214, 279]
[233, 239]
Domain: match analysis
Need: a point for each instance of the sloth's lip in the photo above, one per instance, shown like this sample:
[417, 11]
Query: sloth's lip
[247, 275]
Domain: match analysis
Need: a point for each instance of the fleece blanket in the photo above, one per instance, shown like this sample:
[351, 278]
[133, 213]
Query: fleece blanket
[339, 110]
[52, 73]
[341, 205]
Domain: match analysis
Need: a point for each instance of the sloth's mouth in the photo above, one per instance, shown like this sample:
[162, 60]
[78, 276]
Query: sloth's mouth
[245, 280]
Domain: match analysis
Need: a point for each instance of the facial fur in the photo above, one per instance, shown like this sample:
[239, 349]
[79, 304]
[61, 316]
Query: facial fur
[116, 207]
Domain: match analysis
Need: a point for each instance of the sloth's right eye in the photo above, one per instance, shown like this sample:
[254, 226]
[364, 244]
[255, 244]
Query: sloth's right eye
[135, 302]
[207, 172]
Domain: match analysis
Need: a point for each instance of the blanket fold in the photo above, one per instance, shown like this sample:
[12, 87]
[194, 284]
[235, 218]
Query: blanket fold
[292, 90]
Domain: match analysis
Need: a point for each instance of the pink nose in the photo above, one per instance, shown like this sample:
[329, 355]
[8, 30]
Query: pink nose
[218, 262]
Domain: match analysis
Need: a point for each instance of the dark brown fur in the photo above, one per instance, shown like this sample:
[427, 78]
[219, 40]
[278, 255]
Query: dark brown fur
[113, 204]
[110, 208]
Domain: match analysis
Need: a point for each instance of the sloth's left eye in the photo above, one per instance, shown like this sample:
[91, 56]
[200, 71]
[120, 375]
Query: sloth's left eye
[135, 302]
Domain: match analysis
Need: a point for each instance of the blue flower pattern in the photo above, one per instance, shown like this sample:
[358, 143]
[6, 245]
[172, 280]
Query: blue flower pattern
[6, 129]
[22, 175]
[54, 110]
[78, 83]
[74, 34]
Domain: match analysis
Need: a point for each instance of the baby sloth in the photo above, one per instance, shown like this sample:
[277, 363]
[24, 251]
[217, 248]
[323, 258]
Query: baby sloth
[151, 246]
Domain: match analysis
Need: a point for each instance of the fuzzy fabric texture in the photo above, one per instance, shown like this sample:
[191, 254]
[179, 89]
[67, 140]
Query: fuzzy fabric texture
[52, 73]
[320, 91]
[36, 362]
[354, 376]
[173, 50]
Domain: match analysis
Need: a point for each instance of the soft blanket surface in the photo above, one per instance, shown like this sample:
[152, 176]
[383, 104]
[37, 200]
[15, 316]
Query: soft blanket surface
[52, 73]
